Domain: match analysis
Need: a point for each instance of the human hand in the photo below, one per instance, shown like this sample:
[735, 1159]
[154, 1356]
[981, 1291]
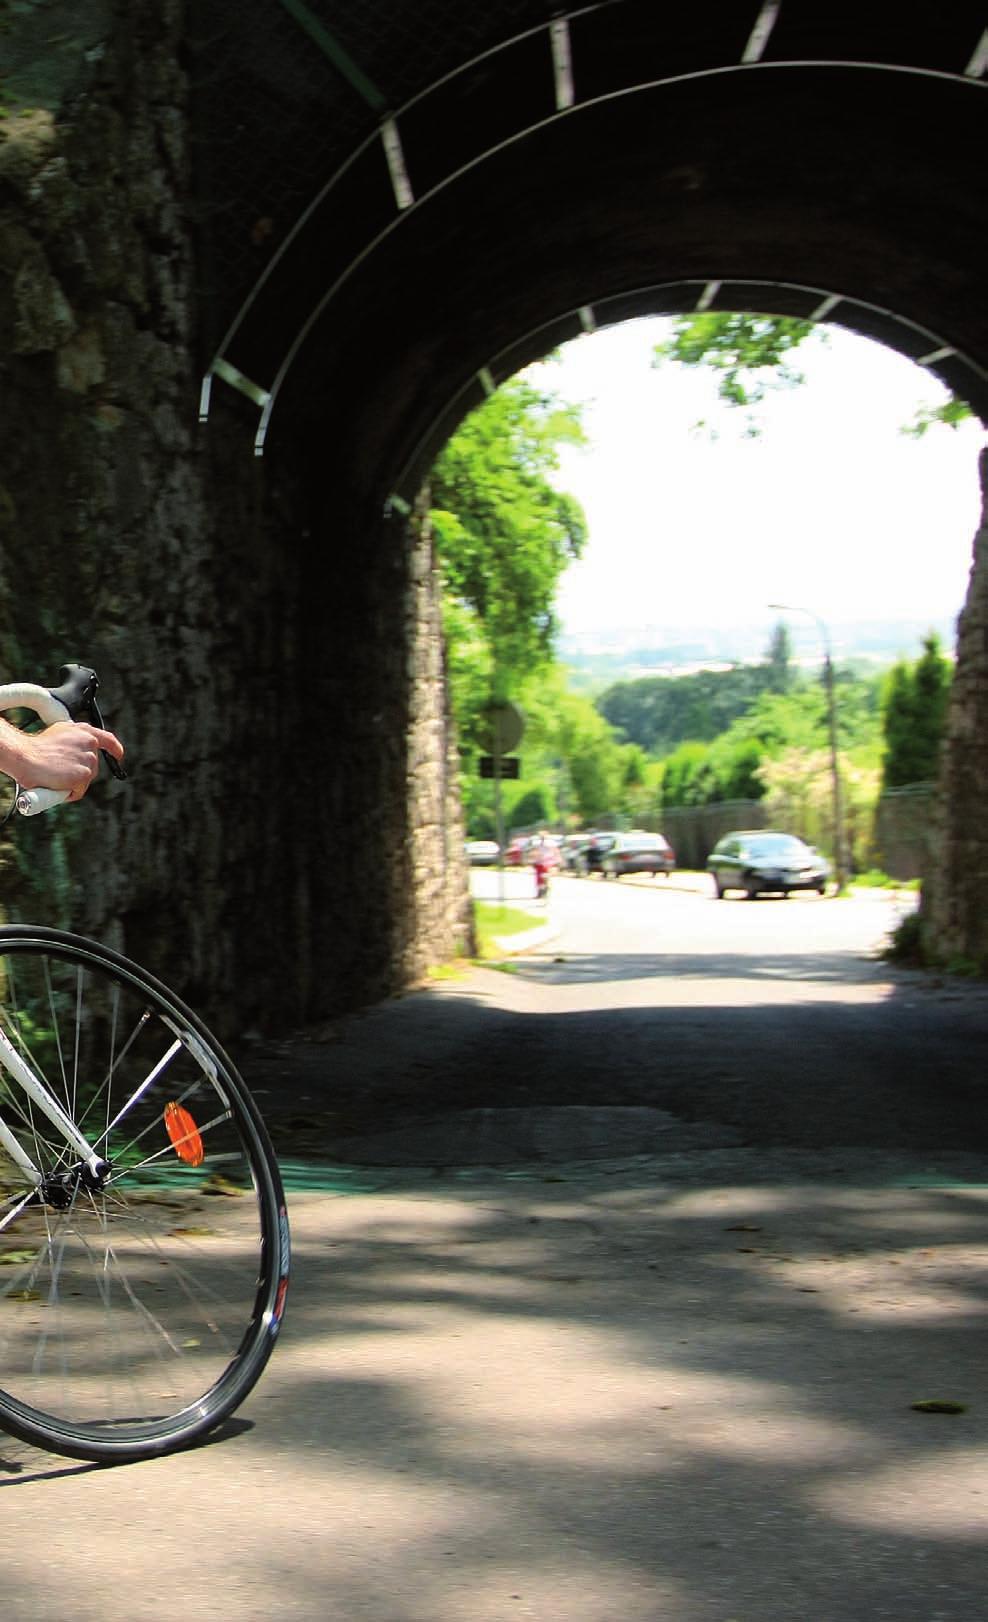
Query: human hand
[65, 756]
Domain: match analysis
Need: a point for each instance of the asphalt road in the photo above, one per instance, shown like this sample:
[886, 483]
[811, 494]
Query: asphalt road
[617, 1278]
[770, 1022]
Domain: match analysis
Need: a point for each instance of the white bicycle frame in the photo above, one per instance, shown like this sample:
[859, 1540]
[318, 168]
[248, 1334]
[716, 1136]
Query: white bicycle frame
[28, 696]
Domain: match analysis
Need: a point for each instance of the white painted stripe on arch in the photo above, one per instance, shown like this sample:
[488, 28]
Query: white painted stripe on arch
[562, 62]
[935, 355]
[978, 65]
[393, 151]
[236, 379]
[708, 295]
[761, 33]
[205, 394]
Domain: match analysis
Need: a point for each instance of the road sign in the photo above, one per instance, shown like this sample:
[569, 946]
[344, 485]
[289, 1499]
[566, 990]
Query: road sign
[502, 728]
[510, 765]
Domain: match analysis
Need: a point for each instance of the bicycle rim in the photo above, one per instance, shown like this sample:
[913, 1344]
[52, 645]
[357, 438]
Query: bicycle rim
[135, 1315]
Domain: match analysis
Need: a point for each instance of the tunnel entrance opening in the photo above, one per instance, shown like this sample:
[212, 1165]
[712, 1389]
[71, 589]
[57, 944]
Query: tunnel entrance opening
[338, 226]
[816, 497]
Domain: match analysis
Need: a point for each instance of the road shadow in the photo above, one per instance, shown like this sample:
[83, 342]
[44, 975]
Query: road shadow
[655, 1393]
[901, 1065]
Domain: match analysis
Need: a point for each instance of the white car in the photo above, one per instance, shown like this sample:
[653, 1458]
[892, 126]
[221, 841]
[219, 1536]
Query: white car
[482, 852]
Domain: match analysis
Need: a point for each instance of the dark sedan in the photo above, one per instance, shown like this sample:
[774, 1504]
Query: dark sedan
[638, 853]
[760, 861]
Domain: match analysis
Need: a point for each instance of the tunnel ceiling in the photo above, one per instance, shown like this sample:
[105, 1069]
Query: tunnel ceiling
[400, 204]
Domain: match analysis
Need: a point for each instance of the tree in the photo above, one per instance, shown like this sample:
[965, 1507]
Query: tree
[687, 778]
[747, 352]
[750, 354]
[659, 712]
[778, 657]
[504, 534]
[913, 715]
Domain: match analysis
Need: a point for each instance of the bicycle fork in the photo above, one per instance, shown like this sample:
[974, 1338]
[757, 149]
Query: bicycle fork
[58, 1188]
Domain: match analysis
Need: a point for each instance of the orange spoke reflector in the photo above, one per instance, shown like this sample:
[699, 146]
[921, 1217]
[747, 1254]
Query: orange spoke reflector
[184, 1134]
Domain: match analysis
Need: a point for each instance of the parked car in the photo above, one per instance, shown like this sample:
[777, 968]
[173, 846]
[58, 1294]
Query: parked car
[638, 852]
[761, 860]
[482, 852]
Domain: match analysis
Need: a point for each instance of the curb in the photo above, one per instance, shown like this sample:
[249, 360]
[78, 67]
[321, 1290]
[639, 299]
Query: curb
[526, 940]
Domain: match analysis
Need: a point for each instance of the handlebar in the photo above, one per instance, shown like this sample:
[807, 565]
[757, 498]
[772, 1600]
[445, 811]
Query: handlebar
[74, 699]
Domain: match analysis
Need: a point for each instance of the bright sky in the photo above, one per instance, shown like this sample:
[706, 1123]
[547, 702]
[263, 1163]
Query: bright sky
[832, 508]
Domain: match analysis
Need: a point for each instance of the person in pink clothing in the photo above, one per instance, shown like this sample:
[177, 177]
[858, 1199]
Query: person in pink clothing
[543, 857]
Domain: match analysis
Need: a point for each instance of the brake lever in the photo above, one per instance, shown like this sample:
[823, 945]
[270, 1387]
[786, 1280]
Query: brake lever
[76, 692]
[117, 769]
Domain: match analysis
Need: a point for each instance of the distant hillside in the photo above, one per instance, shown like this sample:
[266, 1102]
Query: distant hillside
[597, 659]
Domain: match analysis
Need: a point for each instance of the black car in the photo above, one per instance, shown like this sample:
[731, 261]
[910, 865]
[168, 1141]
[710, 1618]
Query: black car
[761, 861]
[638, 853]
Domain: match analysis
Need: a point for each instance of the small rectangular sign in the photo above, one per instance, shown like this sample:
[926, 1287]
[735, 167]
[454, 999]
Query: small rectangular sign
[510, 765]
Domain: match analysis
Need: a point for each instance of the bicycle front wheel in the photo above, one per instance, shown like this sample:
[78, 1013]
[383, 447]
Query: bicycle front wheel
[138, 1306]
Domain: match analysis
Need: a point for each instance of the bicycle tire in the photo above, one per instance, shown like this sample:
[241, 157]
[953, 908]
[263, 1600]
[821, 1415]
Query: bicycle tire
[135, 1317]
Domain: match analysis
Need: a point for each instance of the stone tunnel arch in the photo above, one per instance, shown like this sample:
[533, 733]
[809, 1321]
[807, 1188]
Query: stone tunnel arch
[380, 226]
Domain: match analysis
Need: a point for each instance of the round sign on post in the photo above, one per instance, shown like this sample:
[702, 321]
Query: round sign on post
[502, 729]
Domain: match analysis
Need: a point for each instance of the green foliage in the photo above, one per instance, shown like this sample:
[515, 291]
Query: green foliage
[492, 921]
[503, 533]
[914, 714]
[778, 752]
[469, 671]
[781, 675]
[737, 768]
[949, 415]
[575, 768]
[536, 805]
[748, 353]
[906, 944]
[660, 712]
[875, 879]
[687, 777]
[593, 755]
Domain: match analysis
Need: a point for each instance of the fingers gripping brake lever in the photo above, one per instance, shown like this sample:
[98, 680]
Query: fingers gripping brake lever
[77, 691]
[74, 699]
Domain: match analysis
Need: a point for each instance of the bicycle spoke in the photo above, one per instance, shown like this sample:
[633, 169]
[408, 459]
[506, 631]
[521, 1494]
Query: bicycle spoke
[136, 1309]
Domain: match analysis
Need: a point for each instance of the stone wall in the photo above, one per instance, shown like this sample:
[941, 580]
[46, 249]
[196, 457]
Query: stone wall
[441, 924]
[955, 896]
[279, 692]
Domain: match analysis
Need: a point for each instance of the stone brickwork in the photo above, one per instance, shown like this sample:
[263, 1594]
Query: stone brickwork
[442, 915]
[281, 850]
[955, 897]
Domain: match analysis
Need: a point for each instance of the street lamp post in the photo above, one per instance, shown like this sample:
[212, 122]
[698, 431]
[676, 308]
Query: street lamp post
[840, 866]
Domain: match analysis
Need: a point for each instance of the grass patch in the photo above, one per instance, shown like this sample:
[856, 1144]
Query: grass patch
[875, 879]
[455, 969]
[492, 921]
